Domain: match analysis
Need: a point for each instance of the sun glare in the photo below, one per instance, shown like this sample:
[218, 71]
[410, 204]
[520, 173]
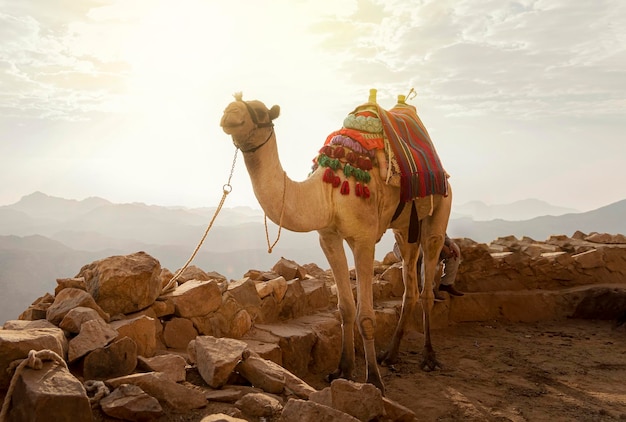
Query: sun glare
[191, 45]
[176, 49]
[188, 57]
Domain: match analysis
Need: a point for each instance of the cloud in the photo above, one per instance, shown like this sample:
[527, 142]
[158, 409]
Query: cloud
[514, 58]
[50, 66]
[514, 89]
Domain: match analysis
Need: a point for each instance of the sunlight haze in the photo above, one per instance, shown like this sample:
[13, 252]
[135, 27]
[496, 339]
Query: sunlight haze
[122, 99]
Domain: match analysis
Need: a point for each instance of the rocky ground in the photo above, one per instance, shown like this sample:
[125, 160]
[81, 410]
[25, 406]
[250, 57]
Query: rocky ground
[567, 370]
[534, 338]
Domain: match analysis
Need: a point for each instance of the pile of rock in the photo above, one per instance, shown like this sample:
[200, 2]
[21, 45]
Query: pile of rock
[133, 351]
[583, 276]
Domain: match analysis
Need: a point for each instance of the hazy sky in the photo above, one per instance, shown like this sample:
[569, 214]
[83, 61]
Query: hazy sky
[122, 98]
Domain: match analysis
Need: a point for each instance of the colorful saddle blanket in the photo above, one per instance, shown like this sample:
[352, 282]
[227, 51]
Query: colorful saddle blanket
[421, 171]
[399, 132]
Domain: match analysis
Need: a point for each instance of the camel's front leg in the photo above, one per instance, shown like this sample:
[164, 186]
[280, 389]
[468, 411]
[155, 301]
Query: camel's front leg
[366, 319]
[332, 245]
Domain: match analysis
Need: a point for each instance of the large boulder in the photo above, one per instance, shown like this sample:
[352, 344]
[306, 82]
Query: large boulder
[16, 344]
[123, 284]
[50, 393]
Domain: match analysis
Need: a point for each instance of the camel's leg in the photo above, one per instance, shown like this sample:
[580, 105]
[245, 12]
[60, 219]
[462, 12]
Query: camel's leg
[433, 232]
[363, 250]
[410, 253]
[432, 241]
[332, 245]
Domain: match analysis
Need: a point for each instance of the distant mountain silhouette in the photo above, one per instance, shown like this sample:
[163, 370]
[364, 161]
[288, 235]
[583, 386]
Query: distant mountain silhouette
[29, 267]
[42, 206]
[608, 219]
[516, 211]
[43, 238]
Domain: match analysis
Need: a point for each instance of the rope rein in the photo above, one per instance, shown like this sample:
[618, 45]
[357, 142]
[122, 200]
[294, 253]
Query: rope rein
[35, 361]
[98, 389]
[280, 221]
[227, 188]
[35, 358]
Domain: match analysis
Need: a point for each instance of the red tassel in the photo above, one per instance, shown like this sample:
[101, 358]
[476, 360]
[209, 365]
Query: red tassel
[364, 163]
[358, 189]
[345, 188]
[351, 157]
[366, 192]
[339, 152]
[336, 181]
[326, 150]
[329, 176]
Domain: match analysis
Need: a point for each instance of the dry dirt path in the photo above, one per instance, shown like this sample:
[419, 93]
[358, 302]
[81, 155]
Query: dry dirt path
[572, 370]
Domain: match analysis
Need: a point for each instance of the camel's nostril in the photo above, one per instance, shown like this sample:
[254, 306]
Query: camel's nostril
[230, 121]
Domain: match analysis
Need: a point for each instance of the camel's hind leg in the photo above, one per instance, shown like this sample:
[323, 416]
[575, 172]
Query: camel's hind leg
[332, 245]
[410, 253]
[431, 245]
[433, 233]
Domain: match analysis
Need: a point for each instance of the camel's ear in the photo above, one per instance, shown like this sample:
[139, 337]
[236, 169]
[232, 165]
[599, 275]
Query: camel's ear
[274, 112]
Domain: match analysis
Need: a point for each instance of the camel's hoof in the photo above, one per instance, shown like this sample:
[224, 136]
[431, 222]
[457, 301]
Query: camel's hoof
[384, 358]
[333, 376]
[338, 374]
[378, 384]
[430, 363]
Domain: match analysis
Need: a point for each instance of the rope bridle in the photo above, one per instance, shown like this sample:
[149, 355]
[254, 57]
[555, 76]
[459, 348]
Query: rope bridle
[280, 221]
[253, 116]
[252, 150]
[257, 125]
[227, 188]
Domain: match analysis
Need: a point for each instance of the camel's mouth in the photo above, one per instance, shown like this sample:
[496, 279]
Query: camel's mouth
[234, 119]
[230, 122]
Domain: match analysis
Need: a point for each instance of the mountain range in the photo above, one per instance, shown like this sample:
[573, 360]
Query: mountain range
[525, 209]
[43, 238]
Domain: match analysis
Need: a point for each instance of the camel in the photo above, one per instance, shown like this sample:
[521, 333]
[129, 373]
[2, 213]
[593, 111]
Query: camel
[303, 206]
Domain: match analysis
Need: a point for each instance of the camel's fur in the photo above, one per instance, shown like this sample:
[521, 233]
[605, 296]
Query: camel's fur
[315, 205]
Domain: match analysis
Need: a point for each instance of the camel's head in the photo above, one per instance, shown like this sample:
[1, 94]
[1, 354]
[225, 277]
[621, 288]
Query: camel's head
[249, 123]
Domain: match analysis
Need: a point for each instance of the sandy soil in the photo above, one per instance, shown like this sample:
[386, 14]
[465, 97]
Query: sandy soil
[572, 370]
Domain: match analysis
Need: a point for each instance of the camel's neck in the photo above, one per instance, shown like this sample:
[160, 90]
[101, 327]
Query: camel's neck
[301, 204]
